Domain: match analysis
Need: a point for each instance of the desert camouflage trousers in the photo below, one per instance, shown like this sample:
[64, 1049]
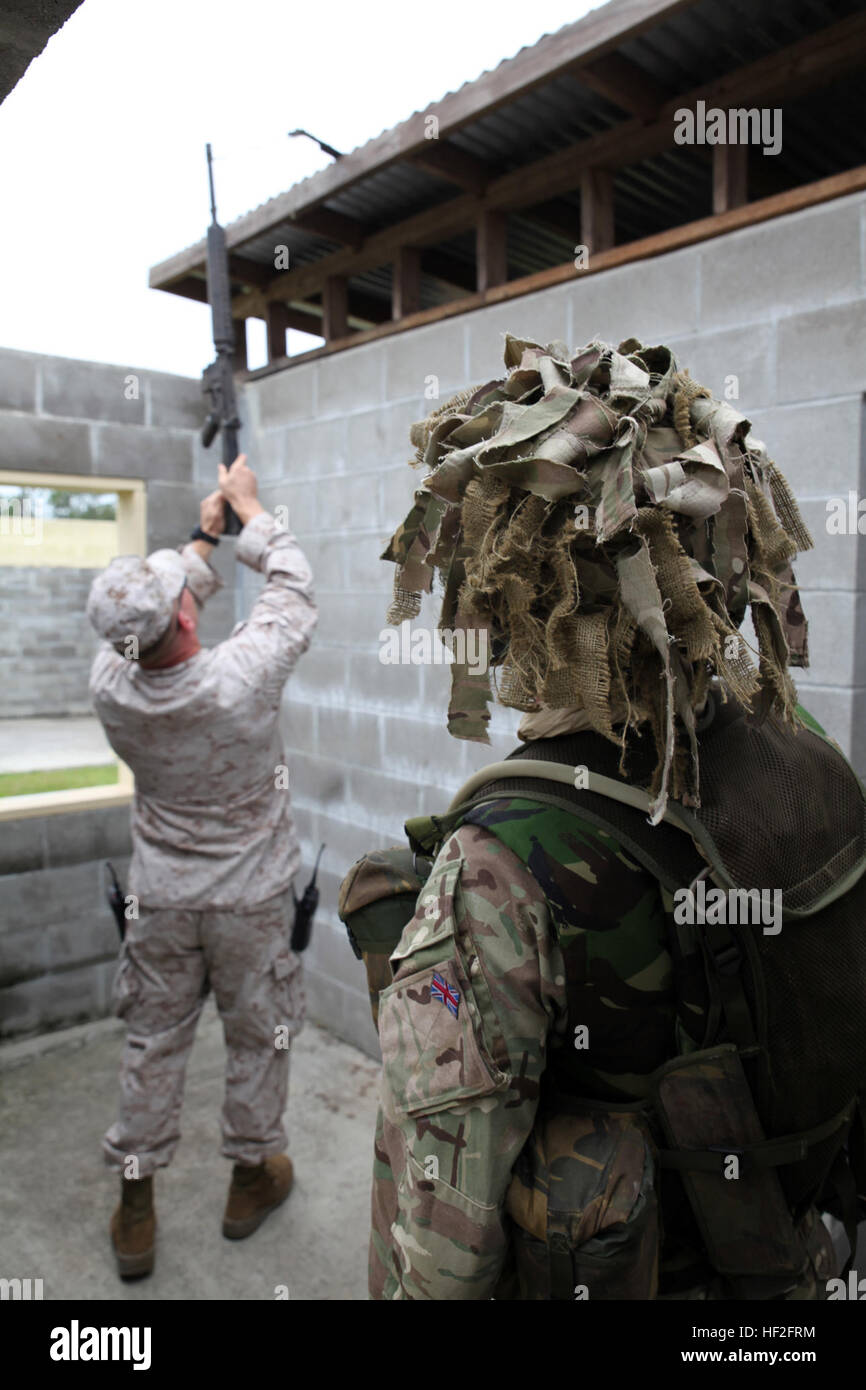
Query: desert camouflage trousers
[169, 963]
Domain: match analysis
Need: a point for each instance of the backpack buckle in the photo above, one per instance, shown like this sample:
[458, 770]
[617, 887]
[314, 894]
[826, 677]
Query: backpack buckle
[727, 959]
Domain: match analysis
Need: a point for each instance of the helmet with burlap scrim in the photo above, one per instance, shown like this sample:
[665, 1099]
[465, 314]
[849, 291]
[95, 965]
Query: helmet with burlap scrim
[605, 523]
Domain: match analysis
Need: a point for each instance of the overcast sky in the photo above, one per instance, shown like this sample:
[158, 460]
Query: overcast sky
[103, 142]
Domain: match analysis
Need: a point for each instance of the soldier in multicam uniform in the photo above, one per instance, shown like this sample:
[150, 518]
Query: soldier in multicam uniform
[214, 853]
[606, 522]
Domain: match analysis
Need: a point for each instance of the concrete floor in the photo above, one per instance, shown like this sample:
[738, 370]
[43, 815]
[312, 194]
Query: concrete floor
[27, 745]
[57, 1097]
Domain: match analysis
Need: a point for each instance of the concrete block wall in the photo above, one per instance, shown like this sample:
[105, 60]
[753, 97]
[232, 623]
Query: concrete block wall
[781, 307]
[58, 941]
[48, 643]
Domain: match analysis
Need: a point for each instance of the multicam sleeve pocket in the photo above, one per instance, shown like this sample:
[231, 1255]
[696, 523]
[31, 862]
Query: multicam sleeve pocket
[431, 1029]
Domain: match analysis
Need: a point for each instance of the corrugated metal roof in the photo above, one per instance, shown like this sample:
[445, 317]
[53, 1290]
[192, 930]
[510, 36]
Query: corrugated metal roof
[697, 43]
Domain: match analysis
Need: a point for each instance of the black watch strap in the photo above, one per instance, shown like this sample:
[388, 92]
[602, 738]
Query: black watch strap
[199, 535]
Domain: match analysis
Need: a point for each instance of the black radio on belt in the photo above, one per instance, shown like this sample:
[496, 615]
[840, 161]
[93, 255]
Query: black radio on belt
[116, 900]
[305, 910]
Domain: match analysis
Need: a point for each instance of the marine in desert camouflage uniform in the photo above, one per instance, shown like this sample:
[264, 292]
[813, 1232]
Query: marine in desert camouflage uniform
[535, 924]
[214, 853]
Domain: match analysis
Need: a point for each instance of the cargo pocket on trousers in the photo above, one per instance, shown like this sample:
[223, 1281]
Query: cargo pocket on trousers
[124, 990]
[289, 993]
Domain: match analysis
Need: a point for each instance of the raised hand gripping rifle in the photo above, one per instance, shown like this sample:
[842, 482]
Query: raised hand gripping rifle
[218, 379]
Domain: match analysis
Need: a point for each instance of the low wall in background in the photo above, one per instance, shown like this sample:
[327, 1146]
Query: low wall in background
[58, 938]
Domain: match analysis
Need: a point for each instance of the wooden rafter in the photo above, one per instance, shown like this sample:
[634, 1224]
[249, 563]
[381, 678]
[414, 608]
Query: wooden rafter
[596, 210]
[406, 282]
[619, 80]
[454, 165]
[277, 325]
[491, 257]
[335, 307]
[730, 176]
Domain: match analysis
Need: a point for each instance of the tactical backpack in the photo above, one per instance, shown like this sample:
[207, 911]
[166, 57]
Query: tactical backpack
[769, 1068]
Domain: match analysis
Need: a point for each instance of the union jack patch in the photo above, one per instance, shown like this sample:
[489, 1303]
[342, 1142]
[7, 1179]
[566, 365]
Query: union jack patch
[450, 997]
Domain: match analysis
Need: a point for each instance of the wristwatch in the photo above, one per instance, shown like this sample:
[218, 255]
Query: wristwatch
[199, 535]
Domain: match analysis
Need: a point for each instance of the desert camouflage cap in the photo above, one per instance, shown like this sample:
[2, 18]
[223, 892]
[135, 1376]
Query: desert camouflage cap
[135, 598]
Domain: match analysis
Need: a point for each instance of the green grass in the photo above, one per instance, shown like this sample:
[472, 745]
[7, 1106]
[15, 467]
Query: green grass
[57, 779]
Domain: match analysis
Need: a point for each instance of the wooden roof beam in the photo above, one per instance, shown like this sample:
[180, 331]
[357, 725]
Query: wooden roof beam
[622, 82]
[454, 165]
[248, 272]
[334, 226]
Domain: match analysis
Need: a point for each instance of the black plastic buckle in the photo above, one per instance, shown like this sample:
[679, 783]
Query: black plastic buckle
[728, 960]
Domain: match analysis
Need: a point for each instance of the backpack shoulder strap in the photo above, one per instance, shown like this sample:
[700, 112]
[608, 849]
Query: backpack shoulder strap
[558, 772]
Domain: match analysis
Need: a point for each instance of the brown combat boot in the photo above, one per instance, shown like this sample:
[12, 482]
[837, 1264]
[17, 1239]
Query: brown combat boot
[254, 1193]
[133, 1228]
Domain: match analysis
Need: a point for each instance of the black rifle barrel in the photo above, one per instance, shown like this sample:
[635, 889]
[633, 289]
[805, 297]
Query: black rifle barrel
[218, 378]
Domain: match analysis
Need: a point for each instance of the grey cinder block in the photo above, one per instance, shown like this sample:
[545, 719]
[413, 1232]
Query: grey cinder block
[22, 845]
[351, 380]
[18, 379]
[44, 445]
[175, 400]
[654, 300]
[351, 736]
[541, 317]
[817, 444]
[161, 455]
[808, 258]
[821, 353]
[92, 390]
[396, 690]
[283, 396]
[736, 360]
[350, 620]
[837, 639]
[411, 358]
[82, 836]
[39, 898]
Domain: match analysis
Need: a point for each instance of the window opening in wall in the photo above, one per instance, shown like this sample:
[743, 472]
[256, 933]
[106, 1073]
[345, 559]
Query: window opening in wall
[56, 533]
